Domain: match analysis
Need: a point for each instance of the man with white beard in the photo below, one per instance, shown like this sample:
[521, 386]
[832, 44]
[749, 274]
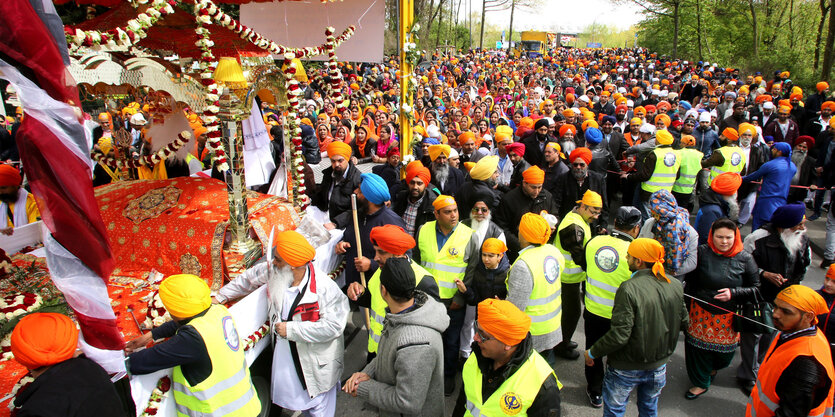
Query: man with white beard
[307, 314]
[781, 250]
[448, 179]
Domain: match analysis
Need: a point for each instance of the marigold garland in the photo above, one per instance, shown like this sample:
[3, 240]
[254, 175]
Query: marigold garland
[146, 160]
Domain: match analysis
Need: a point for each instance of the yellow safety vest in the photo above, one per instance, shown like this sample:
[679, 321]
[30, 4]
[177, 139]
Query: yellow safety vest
[735, 161]
[691, 164]
[228, 390]
[545, 303]
[606, 268]
[445, 264]
[514, 396]
[572, 273]
[667, 161]
[377, 312]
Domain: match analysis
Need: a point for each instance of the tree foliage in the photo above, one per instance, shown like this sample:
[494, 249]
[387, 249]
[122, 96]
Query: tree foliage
[753, 35]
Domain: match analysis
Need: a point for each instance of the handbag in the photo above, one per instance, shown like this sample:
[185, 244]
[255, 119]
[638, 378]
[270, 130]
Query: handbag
[758, 312]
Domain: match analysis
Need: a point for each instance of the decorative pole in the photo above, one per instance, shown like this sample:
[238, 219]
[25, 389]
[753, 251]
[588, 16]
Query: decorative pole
[407, 82]
[233, 111]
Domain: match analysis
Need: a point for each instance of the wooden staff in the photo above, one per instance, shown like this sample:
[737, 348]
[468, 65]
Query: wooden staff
[359, 252]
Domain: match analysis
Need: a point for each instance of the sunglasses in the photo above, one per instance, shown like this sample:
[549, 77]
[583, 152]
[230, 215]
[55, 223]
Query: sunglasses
[482, 334]
[578, 165]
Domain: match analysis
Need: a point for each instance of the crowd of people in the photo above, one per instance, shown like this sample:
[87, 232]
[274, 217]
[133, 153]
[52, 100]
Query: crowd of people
[612, 185]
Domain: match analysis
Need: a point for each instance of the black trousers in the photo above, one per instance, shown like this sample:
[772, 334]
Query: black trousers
[595, 327]
[572, 306]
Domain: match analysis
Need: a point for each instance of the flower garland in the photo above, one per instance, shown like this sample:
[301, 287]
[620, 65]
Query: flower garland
[157, 395]
[338, 270]
[147, 160]
[210, 9]
[256, 337]
[12, 307]
[157, 315]
[207, 64]
[333, 71]
[134, 31]
[19, 386]
[294, 108]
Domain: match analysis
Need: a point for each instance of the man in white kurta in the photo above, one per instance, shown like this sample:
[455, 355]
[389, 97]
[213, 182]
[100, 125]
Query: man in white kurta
[308, 313]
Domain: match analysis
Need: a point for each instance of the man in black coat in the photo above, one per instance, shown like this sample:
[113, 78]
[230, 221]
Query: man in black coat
[573, 184]
[338, 183]
[446, 178]
[528, 198]
[535, 143]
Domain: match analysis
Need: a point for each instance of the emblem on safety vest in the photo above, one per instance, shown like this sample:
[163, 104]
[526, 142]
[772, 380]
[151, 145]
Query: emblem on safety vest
[230, 334]
[511, 404]
[607, 259]
[669, 159]
[736, 158]
[453, 251]
[552, 269]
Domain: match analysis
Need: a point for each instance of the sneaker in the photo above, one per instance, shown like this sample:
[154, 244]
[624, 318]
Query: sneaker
[566, 353]
[826, 262]
[596, 401]
[814, 217]
[449, 385]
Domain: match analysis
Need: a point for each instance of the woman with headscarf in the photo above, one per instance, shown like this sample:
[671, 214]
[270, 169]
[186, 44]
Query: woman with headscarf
[670, 225]
[364, 148]
[725, 276]
[385, 142]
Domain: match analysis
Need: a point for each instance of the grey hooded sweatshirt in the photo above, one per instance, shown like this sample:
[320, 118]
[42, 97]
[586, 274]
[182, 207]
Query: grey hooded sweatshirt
[407, 375]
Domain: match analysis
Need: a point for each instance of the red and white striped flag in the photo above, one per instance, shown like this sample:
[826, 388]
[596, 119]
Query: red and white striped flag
[54, 150]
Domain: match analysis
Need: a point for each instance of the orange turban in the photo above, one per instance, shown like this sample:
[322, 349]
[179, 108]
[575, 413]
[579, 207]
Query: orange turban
[796, 96]
[591, 199]
[663, 118]
[534, 175]
[650, 251]
[636, 121]
[731, 134]
[293, 248]
[726, 183]
[43, 339]
[784, 107]
[828, 104]
[392, 239]
[566, 127]
[747, 127]
[503, 133]
[582, 153]
[421, 172]
[587, 124]
[555, 146]
[339, 148]
[504, 321]
[443, 201]
[687, 140]
[413, 165]
[526, 122]
[466, 137]
[436, 150]
[9, 176]
[568, 113]
[534, 228]
[639, 110]
[663, 137]
[821, 86]
[185, 295]
[420, 130]
[493, 245]
[105, 116]
[804, 299]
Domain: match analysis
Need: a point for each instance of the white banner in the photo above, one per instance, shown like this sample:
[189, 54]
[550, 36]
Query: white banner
[258, 161]
[299, 24]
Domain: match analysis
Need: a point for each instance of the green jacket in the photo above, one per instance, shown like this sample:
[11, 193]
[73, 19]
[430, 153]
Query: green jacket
[646, 319]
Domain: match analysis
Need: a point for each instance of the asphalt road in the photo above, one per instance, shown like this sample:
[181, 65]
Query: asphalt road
[723, 400]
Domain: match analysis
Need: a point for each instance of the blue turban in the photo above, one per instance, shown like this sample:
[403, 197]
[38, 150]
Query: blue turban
[768, 138]
[431, 141]
[788, 216]
[610, 119]
[593, 135]
[685, 104]
[784, 148]
[375, 189]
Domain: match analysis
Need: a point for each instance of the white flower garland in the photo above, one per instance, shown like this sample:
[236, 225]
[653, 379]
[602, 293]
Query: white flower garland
[134, 31]
[207, 64]
[147, 160]
[294, 108]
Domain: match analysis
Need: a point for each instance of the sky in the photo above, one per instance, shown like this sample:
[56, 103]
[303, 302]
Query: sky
[552, 15]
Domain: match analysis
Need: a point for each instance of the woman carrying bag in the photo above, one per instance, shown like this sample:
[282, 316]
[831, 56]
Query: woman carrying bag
[724, 277]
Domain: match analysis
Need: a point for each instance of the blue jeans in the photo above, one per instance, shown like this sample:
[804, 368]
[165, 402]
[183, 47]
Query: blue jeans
[452, 340]
[617, 384]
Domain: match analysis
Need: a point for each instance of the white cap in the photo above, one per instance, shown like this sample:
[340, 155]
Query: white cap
[630, 103]
[768, 105]
[433, 131]
[622, 90]
[704, 117]
[549, 218]
[576, 111]
[647, 128]
[584, 98]
[713, 113]
[138, 119]
[691, 113]
[453, 153]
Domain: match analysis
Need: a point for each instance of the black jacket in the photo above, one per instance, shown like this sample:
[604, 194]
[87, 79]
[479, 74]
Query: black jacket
[547, 400]
[569, 192]
[426, 212]
[806, 178]
[381, 217]
[338, 205]
[483, 283]
[391, 176]
[552, 173]
[771, 255]
[77, 387]
[513, 206]
[453, 182]
[715, 272]
[533, 153]
[757, 156]
[473, 191]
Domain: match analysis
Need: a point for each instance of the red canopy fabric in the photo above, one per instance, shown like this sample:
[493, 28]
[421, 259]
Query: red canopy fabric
[174, 33]
[112, 3]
